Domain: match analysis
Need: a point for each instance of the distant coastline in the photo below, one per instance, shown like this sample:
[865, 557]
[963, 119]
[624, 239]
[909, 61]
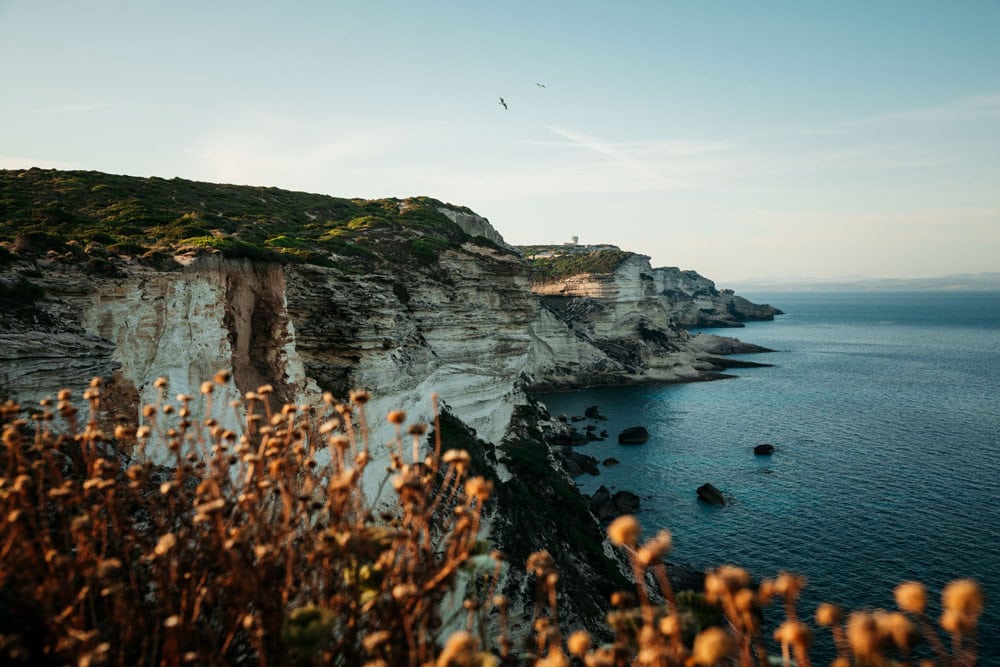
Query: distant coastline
[956, 282]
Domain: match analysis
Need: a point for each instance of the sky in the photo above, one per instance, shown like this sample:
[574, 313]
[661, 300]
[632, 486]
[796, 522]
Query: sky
[744, 140]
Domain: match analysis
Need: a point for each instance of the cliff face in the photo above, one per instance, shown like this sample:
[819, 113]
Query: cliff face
[440, 305]
[667, 295]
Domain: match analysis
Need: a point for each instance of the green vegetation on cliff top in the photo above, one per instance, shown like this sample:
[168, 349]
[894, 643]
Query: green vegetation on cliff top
[42, 210]
[551, 263]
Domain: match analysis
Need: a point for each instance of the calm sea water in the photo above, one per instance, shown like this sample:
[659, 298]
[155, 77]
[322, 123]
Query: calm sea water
[885, 412]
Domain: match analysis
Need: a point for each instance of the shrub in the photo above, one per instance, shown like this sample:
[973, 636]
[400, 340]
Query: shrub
[258, 546]
[261, 548]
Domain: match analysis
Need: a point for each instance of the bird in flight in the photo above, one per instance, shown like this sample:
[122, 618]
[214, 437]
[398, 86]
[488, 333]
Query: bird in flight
[540, 85]
[502, 103]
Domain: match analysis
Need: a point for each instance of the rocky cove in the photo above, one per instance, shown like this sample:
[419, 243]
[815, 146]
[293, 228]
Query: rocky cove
[421, 298]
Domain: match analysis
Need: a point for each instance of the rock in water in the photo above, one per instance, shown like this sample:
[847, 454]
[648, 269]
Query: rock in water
[633, 435]
[763, 450]
[711, 495]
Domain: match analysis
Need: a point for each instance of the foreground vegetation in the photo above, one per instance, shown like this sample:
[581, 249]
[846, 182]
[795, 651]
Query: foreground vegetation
[261, 548]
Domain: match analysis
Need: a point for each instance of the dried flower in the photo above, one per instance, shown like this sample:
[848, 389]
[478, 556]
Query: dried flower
[828, 614]
[624, 531]
[911, 596]
[479, 488]
[578, 643]
[396, 417]
[711, 646]
[863, 634]
[165, 544]
[964, 597]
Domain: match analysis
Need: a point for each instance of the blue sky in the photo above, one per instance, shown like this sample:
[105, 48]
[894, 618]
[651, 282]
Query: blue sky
[740, 139]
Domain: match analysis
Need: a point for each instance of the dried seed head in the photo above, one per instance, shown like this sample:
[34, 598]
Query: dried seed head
[459, 650]
[579, 643]
[458, 457]
[789, 585]
[744, 599]
[964, 597]
[711, 646]
[828, 614]
[222, 377]
[863, 634]
[165, 544]
[911, 596]
[417, 429]
[624, 531]
[794, 633]
[359, 396]
[64, 395]
[160, 382]
[396, 417]
[479, 488]
[671, 625]
[902, 630]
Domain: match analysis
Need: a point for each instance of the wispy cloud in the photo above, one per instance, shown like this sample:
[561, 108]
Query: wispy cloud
[621, 154]
[971, 108]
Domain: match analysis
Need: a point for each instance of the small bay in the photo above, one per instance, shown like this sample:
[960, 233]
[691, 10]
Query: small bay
[884, 409]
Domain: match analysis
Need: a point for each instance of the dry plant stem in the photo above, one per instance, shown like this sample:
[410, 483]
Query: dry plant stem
[663, 581]
[927, 630]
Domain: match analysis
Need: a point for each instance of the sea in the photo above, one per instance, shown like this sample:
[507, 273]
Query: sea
[884, 411]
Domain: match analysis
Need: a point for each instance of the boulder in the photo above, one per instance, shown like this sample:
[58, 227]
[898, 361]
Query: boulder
[600, 503]
[610, 461]
[582, 462]
[711, 495]
[625, 502]
[633, 435]
[593, 413]
[567, 435]
[606, 505]
[763, 450]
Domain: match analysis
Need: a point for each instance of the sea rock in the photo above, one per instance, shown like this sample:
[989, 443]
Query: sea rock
[593, 413]
[610, 461]
[763, 450]
[606, 505]
[577, 464]
[633, 435]
[711, 495]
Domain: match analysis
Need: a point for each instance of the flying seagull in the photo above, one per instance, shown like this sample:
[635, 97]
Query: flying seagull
[502, 103]
[540, 85]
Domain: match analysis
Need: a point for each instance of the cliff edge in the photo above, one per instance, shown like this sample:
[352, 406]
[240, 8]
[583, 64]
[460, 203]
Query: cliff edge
[132, 279]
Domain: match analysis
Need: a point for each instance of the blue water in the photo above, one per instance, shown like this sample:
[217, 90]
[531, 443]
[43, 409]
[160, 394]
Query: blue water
[885, 411]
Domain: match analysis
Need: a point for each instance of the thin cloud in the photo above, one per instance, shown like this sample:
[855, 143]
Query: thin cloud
[621, 155]
[964, 109]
